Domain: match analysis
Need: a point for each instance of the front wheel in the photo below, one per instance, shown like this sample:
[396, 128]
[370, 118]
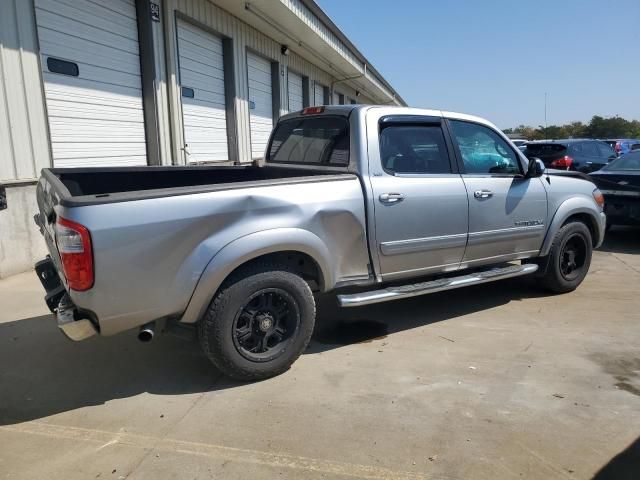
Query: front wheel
[569, 258]
[259, 323]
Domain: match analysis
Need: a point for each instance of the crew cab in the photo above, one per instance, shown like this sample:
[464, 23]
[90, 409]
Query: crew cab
[374, 203]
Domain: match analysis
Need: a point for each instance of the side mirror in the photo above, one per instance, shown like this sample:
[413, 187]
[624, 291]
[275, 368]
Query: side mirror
[536, 168]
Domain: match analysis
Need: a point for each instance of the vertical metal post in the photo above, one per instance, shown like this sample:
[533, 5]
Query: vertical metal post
[148, 73]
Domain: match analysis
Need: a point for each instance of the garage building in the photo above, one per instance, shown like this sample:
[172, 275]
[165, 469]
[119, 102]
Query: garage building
[87, 83]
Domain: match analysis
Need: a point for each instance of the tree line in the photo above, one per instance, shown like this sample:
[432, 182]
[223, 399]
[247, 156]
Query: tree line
[598, 127]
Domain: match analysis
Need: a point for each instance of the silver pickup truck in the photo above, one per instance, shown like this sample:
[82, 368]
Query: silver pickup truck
[375, 203]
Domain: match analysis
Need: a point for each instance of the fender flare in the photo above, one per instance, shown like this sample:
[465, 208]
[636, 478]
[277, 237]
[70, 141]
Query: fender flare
[568, 208]
[249, 247]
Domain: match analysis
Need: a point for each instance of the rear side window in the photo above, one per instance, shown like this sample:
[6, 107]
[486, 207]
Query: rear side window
[417, 149]
[311, 141]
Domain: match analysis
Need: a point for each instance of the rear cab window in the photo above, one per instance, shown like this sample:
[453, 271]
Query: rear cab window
[321, 140]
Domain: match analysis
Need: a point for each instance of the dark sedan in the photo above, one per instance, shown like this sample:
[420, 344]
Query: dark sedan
[619, 181]
[582, 155]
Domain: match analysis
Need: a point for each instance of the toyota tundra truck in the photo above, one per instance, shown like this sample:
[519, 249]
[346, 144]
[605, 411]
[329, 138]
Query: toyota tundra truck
[373, 203]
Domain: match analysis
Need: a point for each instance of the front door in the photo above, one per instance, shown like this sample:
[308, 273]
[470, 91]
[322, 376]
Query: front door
[507, 212]
[420, 201]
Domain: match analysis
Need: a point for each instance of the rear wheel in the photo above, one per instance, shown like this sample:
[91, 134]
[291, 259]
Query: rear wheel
[259, 323]
[569, 258]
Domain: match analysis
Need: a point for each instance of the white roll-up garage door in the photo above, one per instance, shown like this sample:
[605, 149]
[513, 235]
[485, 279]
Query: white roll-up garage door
[204, 120]
[91, 70]
[294, 90]
[318, 94]
[260, 103]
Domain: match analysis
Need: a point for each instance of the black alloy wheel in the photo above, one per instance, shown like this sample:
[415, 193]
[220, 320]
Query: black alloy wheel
[265, 324]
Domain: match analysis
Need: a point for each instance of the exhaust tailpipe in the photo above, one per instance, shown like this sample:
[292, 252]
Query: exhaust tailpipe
[147, 331]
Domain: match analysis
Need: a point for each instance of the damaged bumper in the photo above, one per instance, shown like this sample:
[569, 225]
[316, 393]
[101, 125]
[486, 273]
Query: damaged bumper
[71, 321]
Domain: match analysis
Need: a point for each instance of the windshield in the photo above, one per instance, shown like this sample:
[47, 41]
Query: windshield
[311, 141]
[630, 161]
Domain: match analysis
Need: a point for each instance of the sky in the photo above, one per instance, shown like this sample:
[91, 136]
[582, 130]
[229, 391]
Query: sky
[497, 58]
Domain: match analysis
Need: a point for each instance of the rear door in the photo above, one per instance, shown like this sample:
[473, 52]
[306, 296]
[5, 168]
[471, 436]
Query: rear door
[420, 201]
[507, 212]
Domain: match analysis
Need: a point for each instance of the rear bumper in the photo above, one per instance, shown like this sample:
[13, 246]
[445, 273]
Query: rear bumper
[71, 321]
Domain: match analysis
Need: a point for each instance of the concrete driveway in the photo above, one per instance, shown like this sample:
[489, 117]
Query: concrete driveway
[496, 381]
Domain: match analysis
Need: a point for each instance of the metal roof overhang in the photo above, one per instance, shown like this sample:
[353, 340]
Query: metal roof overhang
[302, 32]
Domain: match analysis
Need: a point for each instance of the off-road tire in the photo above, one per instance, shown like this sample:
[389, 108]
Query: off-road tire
[216, 330]
[555, 279]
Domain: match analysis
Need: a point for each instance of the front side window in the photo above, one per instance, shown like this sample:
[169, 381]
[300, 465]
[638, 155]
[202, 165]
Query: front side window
[483, 151]
[311, 141]
[419, 149]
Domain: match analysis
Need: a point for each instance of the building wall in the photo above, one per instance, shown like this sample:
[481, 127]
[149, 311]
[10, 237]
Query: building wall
[24, 140]
[24, 135]
[24, 146]
[244, 37]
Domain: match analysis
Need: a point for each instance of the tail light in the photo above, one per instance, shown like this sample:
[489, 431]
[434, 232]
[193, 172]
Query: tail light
[618, 147]
[74, 246]
[564, 162]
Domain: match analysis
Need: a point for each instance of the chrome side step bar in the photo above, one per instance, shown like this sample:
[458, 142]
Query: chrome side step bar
[439, 285]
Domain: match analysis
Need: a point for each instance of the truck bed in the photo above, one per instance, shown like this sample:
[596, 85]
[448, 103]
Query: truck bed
[91, 186]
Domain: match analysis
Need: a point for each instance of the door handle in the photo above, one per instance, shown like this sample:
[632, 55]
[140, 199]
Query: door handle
[391, 197]
[483, 194]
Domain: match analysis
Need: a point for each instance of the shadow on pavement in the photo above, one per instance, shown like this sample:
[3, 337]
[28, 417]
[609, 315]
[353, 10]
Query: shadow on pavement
[375, 321]
[42, 373]
[624, 466]
[622, 240]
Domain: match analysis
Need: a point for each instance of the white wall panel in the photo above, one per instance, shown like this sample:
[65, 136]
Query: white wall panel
[243, 37]
[24, 145]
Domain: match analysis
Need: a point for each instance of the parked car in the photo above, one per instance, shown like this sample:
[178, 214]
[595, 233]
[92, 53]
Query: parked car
[582, 155]
[623, 145]
[349, 196]
[518, 142]
[620, 184]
